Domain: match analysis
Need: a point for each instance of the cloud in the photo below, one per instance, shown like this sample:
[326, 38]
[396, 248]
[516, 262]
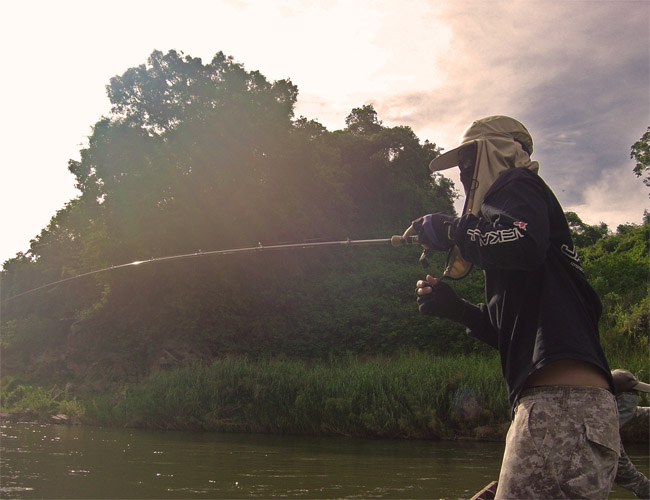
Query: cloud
[575, 73]
[600, 206]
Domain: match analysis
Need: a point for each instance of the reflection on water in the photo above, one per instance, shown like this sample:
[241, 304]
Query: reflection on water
[52, 461]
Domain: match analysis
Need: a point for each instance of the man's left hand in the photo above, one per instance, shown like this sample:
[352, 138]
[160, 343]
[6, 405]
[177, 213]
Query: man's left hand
[435, 231]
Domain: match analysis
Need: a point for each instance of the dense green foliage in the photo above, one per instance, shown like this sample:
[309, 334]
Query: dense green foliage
[618, 268]
[39, 402]
[201, 156]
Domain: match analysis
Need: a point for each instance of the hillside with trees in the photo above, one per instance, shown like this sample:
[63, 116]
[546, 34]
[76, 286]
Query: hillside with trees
[199, 157]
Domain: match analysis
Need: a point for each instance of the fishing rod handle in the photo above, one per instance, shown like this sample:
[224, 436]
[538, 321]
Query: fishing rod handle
[400, 241]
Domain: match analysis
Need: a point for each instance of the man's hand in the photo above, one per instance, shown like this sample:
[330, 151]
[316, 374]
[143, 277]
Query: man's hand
[437, 298]
[435, 231]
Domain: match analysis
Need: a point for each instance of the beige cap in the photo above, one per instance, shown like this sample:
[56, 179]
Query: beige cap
[492, 127]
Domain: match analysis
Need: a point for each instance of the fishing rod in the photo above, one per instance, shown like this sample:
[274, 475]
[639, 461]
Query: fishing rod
[395, 241]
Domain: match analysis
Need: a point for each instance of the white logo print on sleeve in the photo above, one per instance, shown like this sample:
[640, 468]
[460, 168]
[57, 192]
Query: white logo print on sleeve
[495, 237]
[572, 254]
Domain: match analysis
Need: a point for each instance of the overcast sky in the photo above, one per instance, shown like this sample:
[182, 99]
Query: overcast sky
[575, 72]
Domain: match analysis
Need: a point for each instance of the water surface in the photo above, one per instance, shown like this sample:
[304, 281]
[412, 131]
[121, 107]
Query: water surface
[53, 461]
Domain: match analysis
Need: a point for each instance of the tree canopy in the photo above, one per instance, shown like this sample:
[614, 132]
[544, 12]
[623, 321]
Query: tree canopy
[197, 156]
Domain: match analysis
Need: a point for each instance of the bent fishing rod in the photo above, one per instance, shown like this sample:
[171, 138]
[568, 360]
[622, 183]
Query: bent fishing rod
[395, 241]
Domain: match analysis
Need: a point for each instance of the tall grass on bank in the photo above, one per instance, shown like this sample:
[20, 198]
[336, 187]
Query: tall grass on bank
[413, 396]
[39, 401]
[417, 396]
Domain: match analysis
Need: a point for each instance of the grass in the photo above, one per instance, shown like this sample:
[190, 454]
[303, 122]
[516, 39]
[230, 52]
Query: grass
[412, 396]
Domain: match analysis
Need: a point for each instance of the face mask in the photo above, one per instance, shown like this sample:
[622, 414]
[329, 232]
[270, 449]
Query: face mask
[467, 165]
[457, 267]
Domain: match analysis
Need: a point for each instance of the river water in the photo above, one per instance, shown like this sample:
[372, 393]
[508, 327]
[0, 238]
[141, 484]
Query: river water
[54, 461]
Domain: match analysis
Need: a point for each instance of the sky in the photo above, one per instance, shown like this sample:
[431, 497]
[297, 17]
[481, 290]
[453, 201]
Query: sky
[575, 72]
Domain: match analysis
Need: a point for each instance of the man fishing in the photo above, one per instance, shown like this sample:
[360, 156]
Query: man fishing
[539, 312]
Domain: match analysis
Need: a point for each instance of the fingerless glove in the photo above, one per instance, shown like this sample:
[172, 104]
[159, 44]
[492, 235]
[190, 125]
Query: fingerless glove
[443, 302]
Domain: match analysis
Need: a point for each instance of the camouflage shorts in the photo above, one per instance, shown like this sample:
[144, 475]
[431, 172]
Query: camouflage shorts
[562, 443]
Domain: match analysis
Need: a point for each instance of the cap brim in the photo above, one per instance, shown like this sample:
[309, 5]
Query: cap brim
[445, 160]
[642, 386]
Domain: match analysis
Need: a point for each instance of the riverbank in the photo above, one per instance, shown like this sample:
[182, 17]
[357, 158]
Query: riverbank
[415, 396]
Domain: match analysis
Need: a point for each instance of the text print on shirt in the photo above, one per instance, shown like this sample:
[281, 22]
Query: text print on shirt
[572, 254]
[495, 237]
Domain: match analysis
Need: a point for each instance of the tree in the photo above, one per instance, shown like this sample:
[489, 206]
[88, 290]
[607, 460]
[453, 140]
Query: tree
[583, 234]
[363, 121]
[388, 179]
[190, 147]
[641, 153]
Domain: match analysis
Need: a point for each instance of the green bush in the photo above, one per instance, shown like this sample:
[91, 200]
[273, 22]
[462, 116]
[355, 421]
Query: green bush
[42, 401]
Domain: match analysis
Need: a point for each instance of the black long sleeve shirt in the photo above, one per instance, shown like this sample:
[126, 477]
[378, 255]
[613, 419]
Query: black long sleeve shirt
[539, 306]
